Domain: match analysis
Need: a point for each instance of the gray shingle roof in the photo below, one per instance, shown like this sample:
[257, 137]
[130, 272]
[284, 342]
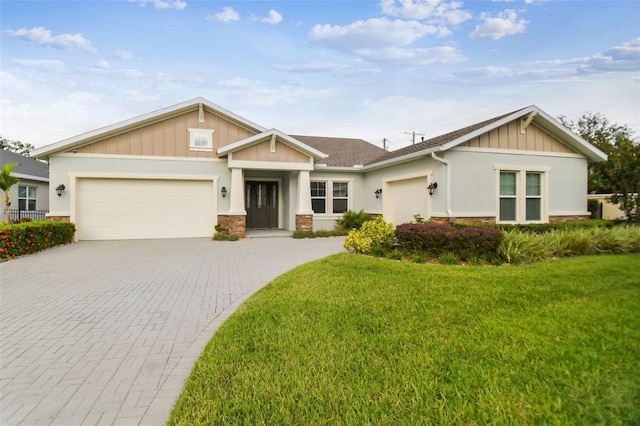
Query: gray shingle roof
[438, 140]
[26, 165]
[343, 152]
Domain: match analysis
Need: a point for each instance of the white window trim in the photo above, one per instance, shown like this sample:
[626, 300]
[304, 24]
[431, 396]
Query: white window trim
[329, 196]
[521, 192]
[27, 198]
[194, 132]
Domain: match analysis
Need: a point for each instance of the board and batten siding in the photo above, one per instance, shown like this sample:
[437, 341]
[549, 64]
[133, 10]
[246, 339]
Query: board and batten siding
[509, 137]
[170, 137]
[262, 152]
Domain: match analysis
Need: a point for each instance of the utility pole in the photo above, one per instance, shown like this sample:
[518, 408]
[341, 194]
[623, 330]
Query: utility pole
[413, 136]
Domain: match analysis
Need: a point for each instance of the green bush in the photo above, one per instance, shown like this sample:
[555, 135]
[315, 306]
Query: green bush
[352, 220]
[449, 258]
[33, 236]
[526, 247]
[223, 236]
[322, 233]
[435, 239]
[373, 235]
[541, 228]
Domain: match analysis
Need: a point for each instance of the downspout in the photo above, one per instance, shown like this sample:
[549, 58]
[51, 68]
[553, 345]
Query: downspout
[448, 183]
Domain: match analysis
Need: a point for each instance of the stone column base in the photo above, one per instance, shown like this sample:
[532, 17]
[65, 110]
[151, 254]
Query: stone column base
[234, 224]
[59, 218]
[304, 222]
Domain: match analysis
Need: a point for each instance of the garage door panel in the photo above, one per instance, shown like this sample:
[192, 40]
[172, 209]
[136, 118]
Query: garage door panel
[407, 198]
[144, 208]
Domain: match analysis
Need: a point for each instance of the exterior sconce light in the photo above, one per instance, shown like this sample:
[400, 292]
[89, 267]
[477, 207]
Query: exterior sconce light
[60, 189]
[223, 191]
[431, 187]
[378, 192]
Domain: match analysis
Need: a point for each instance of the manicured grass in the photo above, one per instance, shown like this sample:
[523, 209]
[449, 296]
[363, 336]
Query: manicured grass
[358, 340]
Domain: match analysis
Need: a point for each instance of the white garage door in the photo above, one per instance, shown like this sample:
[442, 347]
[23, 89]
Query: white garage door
[116, 209]
[405, 198]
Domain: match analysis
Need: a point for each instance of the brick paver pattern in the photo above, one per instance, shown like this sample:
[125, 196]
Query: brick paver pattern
[107, 332]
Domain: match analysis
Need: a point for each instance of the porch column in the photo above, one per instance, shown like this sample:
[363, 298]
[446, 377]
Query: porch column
[236, 201]
[304, 193]
[304, 214]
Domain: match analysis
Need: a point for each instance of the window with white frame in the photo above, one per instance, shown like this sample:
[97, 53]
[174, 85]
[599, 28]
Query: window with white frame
[201, 139]
[26, 197]
[521, 196]
[329, 197]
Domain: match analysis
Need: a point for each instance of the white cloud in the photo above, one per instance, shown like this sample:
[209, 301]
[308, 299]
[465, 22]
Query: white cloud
[52, 65]
[625, 57]
[338, 69]
[10, 81]
[103, 65]
[503, 24]
[413, 57]
[370, 34]
[228, 14]
[122, 54]
[274, 18]
[433, 10]
[43, 37]
[162, 4]
[259, 93]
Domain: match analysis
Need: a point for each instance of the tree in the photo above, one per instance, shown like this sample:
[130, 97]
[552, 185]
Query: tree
[620, 174]
[6, 182]
[18, 147]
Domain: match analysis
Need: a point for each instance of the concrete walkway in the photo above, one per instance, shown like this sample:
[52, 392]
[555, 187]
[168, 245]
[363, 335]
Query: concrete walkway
[107, 332]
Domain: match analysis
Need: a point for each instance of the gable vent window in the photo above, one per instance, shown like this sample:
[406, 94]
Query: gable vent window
[201, 139]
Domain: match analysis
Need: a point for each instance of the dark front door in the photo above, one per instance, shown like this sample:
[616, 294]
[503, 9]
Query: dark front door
[262, 205]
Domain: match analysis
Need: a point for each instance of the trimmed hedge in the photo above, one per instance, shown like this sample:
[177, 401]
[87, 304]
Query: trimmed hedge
[541, 228]
[435, 240]
[31, 237]
[322, 233]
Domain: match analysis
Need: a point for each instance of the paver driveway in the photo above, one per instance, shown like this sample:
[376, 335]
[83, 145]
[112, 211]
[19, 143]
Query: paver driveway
[107, 332]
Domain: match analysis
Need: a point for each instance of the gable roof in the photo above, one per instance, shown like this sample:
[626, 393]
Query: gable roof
[28, 168]
[343, 152]
[287, 139]
[457, 137]
[143, 120]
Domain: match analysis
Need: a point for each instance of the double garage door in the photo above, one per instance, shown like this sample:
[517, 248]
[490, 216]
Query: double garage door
[115, 209]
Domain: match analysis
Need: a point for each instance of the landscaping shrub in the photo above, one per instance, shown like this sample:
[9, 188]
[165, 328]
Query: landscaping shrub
[373, 235]
[33, 236]
[526, 247]
[435, 239]
[541, 228]
[352, 220]
[322, 233]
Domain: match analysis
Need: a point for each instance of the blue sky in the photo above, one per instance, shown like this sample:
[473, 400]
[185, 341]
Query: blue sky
[366, 69]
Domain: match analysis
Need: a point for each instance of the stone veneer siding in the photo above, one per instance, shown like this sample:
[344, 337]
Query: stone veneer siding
[557, 219]
[235, 224]
[59, 218]
[304, 222]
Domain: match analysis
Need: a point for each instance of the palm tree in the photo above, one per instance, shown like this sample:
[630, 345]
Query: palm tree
[6, 182]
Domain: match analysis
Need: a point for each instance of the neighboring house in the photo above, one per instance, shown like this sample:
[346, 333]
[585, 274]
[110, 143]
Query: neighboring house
[30, 196]
[179, 171]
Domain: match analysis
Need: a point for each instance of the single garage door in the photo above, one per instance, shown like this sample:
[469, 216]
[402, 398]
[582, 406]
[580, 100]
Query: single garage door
[405, 198]
[117, 209]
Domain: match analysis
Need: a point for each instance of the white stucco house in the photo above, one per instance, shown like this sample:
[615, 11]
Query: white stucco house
[179, 171]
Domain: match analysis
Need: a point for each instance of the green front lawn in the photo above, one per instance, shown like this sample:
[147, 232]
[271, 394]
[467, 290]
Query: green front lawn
[358, 340]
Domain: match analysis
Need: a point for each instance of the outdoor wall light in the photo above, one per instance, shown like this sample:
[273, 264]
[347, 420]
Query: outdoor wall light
[223, 191]
[60, 189]
[431, 187]
[378, 192]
